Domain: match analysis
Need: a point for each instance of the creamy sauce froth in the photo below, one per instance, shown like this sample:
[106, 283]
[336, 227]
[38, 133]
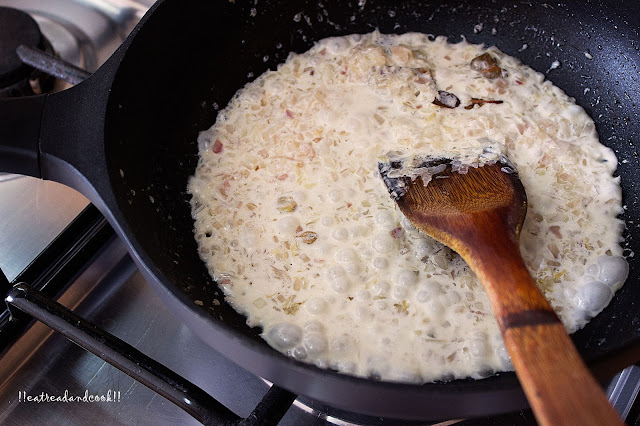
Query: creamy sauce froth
[298, 229]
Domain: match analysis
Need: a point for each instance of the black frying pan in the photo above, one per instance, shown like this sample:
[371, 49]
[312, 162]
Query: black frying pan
[126, 138]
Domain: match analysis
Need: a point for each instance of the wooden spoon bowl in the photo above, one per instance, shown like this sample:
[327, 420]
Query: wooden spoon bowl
[479, 214]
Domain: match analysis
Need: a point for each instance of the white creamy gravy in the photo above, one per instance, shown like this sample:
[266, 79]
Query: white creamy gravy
[297, 227]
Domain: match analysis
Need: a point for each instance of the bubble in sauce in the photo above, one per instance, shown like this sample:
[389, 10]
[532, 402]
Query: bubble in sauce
[349, 260]
[449, 298]
[340, 285]
[407, 224]
[378, 365]
[381, 288]
[315, 344]
[335, 272]
[406, 277]
[299, 353]
[335, 45]
[342, 345]
[335, 195]
[380, 263]
[423, 248]
[593, 270]
[478, 347]
[364, 313]
[431, 307]
[503, 356]
[381, 306]
[314, 327]
[340, 234]
[614, 271]
[315, 305]
[327, 221]
[405, 376]
[429, 290]
[363, 295]
[400, 292]
[385, 219]
[593, 296]
[284, 335]
[383, 243]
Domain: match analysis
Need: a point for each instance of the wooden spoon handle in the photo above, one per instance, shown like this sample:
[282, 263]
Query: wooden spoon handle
[558, 385]
[479, 215]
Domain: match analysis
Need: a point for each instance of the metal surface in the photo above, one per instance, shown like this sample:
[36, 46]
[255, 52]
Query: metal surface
[157, 377]
[113, 294]
[84, 33]
[51, 65]
[117, 353]
[31, 215]
[623, 390]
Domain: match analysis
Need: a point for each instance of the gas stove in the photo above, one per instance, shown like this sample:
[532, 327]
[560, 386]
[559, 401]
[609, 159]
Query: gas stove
[54, 240]
[84, 34]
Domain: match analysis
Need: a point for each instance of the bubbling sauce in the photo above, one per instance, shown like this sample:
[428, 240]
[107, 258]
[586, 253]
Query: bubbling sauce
[298, 229]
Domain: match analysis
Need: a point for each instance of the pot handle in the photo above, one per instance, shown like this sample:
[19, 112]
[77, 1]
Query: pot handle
[21, 119]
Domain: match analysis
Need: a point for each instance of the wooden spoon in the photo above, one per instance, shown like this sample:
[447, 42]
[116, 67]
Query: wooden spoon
[479, 215]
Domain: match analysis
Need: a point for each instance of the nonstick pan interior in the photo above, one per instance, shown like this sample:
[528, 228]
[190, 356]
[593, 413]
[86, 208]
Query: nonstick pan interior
[189, 58]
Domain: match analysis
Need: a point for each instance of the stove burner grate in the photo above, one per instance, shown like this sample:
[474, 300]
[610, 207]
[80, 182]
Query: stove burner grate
[17, 78]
